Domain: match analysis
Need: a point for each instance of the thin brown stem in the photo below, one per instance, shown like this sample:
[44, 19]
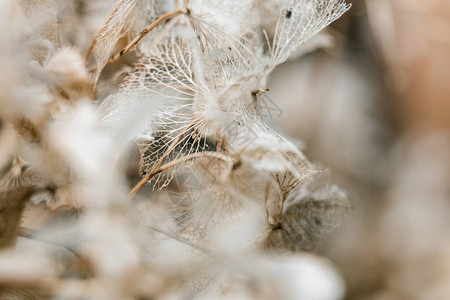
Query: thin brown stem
[143, 33]
[167, 153]
[285, 188]
[150, 175]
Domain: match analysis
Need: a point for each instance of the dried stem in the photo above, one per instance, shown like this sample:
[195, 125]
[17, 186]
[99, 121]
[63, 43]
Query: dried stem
[150, 175]
[166, 154]
[171, 147]
[143, 33]
[285, 186]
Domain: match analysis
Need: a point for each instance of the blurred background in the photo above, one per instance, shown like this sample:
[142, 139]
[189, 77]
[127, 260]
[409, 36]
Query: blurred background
[368, 99]
[372, 104]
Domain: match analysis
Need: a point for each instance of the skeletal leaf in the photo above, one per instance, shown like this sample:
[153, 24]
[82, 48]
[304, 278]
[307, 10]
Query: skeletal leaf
[298, 21]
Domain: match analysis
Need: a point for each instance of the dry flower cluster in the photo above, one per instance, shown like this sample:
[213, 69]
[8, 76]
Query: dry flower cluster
[232, 207]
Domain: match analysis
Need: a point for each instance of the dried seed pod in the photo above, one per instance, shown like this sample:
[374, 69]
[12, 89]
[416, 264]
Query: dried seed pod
[309, 216]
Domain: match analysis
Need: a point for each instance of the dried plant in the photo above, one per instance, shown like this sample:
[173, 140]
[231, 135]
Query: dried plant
[232, 205]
